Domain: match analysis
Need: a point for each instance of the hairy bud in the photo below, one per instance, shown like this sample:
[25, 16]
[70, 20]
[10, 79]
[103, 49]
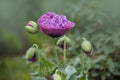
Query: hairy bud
[86, 46]
[31, 53]
[31, 27]
[63, 39]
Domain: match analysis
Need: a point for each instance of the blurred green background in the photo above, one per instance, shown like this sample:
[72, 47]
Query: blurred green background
[97, 20]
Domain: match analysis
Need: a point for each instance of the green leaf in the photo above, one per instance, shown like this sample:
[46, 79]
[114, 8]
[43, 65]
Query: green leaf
[45, 67]
[38, 78]
[69, 70]
[83, 76]
[62, 74]
[114, 67]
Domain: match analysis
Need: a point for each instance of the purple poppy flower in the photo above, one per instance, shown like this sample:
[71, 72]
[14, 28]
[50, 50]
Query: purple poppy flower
[54, 25]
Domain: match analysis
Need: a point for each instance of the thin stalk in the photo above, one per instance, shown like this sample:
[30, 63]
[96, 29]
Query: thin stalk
[38, 59]
[55, 52]
[64, 51]
[41, 40]
[82, 61]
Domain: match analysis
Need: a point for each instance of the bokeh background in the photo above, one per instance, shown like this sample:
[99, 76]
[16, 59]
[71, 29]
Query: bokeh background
[97, 20]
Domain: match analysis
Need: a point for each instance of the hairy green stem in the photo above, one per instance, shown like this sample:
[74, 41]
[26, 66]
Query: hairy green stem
[82, 61]
[55, 52]
[64, 51]
[38, 59]
[41, 40]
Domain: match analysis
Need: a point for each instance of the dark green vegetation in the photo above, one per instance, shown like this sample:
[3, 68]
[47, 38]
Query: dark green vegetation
[98, 21]
[14, 69]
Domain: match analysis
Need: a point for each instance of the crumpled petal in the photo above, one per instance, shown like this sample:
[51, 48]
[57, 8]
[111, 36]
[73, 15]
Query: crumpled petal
[54, 25]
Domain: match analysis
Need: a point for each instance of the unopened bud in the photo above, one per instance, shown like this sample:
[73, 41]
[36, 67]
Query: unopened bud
[55, 77]
[31, 53]
[32, 27]
[61, 41]
[86, 46]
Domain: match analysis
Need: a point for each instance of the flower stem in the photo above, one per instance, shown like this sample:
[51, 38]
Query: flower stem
[41, 40]
[55, 52]
[82, 61]
[38, 59]
[64, 51]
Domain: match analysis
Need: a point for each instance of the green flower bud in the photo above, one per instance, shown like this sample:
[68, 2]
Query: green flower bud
[61, 41]
[31, 53]
[86, 46]
[31, 27]
[55, 77]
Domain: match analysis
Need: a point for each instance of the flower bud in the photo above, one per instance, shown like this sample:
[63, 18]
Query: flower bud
[31, 27]
[31, 53]
[86, 46]
[61, 41]
[55, 77]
